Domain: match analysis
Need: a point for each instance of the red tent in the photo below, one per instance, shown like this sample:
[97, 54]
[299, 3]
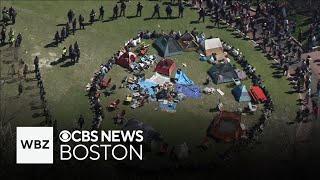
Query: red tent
[165, 66]
[126, 59]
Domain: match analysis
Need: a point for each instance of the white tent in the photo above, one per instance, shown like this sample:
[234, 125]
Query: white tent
[210, 46]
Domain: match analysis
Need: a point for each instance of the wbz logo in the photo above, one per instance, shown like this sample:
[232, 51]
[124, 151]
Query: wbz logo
[34, 145]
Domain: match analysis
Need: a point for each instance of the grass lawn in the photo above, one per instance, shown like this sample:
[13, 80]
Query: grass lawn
[65, 85]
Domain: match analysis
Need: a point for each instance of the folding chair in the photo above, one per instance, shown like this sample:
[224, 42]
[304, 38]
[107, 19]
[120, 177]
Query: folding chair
[236, 81]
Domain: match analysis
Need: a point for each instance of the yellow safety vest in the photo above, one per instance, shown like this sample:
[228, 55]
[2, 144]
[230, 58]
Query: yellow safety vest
[64, 51]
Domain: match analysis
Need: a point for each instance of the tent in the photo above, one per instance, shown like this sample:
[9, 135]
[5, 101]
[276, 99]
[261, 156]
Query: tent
[241, 93]
[210, 46]
[226, 126]
[149, 133]
[222, 73]
[126, 59]
[165, 66]
[188, 42]
[167, 46]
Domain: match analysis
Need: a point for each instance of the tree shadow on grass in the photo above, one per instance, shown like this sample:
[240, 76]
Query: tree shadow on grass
[290, 92]
[60, 60]
[194, 22]
[52, 44]
[37, 115]
[61, 24]
[68, 64]
[131, 17]
[108, 20]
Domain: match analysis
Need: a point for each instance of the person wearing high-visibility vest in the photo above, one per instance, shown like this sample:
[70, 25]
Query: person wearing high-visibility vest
[64, 53]
[11, 37]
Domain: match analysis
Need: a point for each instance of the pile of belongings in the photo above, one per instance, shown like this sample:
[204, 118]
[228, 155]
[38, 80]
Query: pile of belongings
[209, 90]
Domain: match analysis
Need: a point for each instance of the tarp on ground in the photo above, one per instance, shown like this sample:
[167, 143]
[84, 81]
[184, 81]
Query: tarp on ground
[222, 73]
[241, 74]
[159, 79]
[182, 78]
[190, 91]
[168, 107]
[241, 93]
[147, 85]
[149, 133]
[167, 46]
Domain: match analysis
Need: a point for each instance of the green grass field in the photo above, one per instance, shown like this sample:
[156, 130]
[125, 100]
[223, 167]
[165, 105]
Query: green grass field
[65, 86]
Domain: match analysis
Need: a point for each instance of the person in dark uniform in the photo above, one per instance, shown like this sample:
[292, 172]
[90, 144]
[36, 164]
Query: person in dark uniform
[156, 11]
[123, 7]
[20, 88]
[181, 9]
[77, 51]
[81, 121]
[216, 19]
[92, 15]
[18, 41]
[101, 13]
[201, 15]
[62, 34]
[57, 38]
[14, 15]
[81, 21]
[169, 11]
[74, 25]
[36, 63]
[139, 9]
[67, 29]
[115, 12]
[11, 12]
[3, 35]
[70, 15]
[71, 53]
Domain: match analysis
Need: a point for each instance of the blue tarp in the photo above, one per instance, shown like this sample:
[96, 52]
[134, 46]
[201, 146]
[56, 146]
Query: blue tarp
[147, 85]
[190, 91]
[182, 78]
[169, 107]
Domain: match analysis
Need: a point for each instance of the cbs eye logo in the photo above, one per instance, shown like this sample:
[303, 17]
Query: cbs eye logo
[65, 136]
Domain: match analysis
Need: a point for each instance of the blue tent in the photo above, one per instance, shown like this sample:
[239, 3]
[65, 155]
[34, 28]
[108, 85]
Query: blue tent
[241, 93]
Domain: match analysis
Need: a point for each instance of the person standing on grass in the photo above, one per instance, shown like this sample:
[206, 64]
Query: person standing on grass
[70, 15]
[25, 71]
[201, 15]
[115, 12]
[216, 19]
[64, 53]
[77, 51]
[123, 7]
[156, 11]
[92, 15]
[74, 25]
[63, 33]
[180, 9]
[71, 53]
[3, 36]
[20, 88]
[285, 69]
[57, 38]
[67, 29]
[81, 22]
[169, 11]
[19, 40]
[101, 13]
[139, 9]
[81, 121]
